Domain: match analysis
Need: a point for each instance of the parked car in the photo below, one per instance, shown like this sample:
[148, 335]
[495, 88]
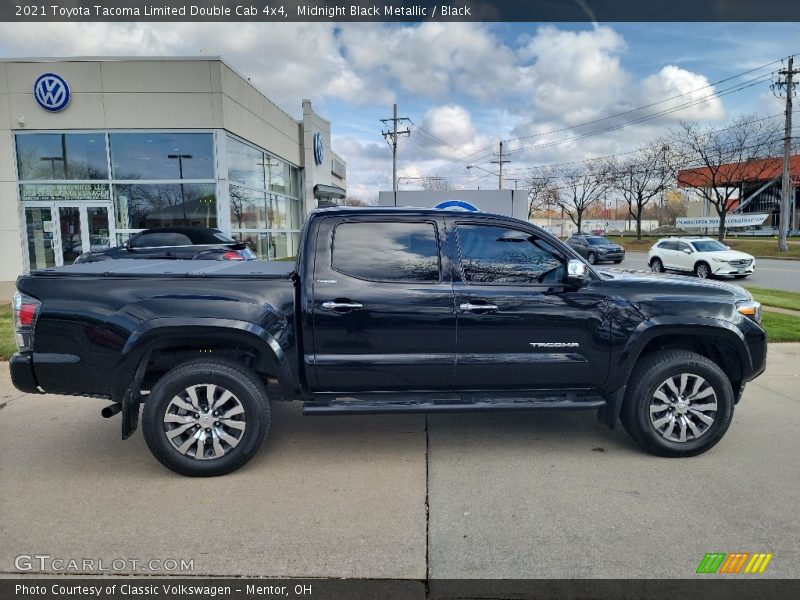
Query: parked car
[596, 248]
[705, 257]
[176, 243]
[387, 310]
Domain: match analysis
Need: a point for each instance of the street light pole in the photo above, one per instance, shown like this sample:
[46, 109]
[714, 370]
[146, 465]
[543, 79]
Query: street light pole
[180, 158]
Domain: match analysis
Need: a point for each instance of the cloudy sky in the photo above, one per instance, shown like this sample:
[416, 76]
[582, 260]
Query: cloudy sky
[466, 86]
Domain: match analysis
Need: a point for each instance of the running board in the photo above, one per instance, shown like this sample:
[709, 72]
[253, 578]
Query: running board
[389, 403]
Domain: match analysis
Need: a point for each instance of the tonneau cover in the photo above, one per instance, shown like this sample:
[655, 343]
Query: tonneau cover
[173, 268]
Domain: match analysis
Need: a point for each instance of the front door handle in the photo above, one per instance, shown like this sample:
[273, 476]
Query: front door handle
[341, 306]
[469, 307]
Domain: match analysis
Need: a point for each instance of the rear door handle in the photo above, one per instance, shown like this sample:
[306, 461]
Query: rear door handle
[469, 307]
[342, 306]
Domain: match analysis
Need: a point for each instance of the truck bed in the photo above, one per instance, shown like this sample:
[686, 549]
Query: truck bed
[174, 268]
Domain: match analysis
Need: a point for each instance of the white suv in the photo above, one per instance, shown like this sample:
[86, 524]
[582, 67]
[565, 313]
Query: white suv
[705, 257]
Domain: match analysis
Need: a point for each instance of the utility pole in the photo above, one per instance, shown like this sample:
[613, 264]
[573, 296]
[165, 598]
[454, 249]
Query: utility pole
[786, 86]
[393, 134]
[500, 162]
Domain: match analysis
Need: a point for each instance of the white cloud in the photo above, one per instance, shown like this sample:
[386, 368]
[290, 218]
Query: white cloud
[692, 88]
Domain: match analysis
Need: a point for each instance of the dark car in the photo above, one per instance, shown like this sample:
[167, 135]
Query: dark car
[386, 310]
[596, 248]
[176, 243]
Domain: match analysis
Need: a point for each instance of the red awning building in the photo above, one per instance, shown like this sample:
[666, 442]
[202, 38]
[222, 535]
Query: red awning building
[759, 184]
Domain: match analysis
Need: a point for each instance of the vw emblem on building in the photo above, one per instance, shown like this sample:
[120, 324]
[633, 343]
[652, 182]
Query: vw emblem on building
[319, 153]
[51, 92]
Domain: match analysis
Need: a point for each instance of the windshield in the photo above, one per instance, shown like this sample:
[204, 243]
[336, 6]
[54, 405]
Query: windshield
[709, 246]
[598, 241]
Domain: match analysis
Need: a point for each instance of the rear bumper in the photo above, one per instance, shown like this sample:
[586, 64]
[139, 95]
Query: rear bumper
[22, 376]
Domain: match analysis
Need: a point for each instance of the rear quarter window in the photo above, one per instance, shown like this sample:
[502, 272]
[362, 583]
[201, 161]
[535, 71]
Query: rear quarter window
[382, 251]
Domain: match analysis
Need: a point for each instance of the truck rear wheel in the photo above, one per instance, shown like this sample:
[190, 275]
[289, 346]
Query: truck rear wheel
[678, 403]
[206, 417]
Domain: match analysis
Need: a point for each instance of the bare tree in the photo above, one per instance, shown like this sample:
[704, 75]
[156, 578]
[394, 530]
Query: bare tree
[580, 189]
[643, 177]
[436, 183]
[353, 201]
[542, 191]
[727, 158]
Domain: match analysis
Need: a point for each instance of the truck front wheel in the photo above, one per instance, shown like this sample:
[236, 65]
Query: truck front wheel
[206, 417]
[678, 403]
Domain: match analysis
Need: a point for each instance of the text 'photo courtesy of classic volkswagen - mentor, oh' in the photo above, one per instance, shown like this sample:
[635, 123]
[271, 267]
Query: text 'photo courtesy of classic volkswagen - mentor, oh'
[387, 310]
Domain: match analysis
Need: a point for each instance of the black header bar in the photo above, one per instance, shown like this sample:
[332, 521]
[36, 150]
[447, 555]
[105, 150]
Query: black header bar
[279, 11]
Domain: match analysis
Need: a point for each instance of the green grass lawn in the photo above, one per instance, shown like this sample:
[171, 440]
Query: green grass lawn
[779, 298]
[781, 328]
[762, 248]
[7, 346]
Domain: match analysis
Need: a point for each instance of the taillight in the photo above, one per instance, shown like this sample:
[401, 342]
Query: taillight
[26, 309]
[230, 255]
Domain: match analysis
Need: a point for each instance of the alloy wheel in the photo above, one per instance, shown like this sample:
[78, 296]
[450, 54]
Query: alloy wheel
[702, 271]
[656, 266]
[683, 408]
[204, 421]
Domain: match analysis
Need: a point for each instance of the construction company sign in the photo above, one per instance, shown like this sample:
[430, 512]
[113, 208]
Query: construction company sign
[730, 221]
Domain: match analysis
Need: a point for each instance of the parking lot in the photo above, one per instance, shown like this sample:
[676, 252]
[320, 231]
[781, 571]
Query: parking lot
[770, 273]
[512, 495]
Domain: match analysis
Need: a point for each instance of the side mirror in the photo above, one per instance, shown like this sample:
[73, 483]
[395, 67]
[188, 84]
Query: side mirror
[687, 250]
[576, 271]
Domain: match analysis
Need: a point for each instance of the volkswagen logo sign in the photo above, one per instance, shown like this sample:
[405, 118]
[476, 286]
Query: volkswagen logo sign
[51, 92]
[319, 153]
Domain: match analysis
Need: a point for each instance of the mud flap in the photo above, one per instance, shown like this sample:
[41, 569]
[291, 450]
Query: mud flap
[132, 399]
[609, 414]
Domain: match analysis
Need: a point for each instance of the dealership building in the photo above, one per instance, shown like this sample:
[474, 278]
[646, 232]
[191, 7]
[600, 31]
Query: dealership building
[93, 150]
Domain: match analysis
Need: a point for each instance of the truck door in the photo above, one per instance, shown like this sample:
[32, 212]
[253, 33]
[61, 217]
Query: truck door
[519, 325]
[383, 311]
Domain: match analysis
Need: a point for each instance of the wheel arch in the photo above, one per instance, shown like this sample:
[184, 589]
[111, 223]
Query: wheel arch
[716, 339]
[180, 336]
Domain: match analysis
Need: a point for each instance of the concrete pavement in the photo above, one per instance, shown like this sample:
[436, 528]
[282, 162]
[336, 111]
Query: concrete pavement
[509, 495]
[770, 273]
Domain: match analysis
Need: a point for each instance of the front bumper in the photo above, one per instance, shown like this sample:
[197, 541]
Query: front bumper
[609, 256]
[733, 269]
[22, 376]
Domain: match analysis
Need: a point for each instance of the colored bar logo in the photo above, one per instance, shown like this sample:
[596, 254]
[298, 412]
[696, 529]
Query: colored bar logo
[734, 563]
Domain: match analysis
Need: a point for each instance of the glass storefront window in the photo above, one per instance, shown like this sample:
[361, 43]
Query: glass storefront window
[278, 245]
[248, 208]
[276, 212]
[162, 155]
[295, 214]
[145, 206]
[257, 241]
[245, 164]
[57, 156]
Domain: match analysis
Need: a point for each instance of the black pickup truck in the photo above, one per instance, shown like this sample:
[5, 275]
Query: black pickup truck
[387, 310]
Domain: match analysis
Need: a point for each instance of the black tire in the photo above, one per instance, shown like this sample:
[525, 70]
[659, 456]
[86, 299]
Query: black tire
[248, 393]
[592, 258]
[702, 270]
[656, 266]
[616, 262]
[646, 380]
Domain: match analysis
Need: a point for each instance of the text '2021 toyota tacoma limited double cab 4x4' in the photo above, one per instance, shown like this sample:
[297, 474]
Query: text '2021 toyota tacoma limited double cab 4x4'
[387, 310]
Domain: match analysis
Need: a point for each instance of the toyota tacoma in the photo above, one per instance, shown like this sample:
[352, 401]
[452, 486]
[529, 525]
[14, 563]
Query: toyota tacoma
[387, 310]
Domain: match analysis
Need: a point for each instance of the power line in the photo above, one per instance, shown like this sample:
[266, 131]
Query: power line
[630, 111]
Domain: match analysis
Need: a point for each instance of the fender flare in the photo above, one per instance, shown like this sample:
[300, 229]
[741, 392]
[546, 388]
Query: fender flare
[161, 332]
[651, 329]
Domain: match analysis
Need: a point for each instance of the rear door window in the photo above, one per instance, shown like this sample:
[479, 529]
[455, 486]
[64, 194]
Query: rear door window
[390, 252]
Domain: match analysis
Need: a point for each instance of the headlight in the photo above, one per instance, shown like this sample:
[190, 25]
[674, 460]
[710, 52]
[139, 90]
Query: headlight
[750, 309]
[720, 260]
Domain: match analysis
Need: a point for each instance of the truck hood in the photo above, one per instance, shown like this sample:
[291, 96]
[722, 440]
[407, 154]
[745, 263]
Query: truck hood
[650, 284]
